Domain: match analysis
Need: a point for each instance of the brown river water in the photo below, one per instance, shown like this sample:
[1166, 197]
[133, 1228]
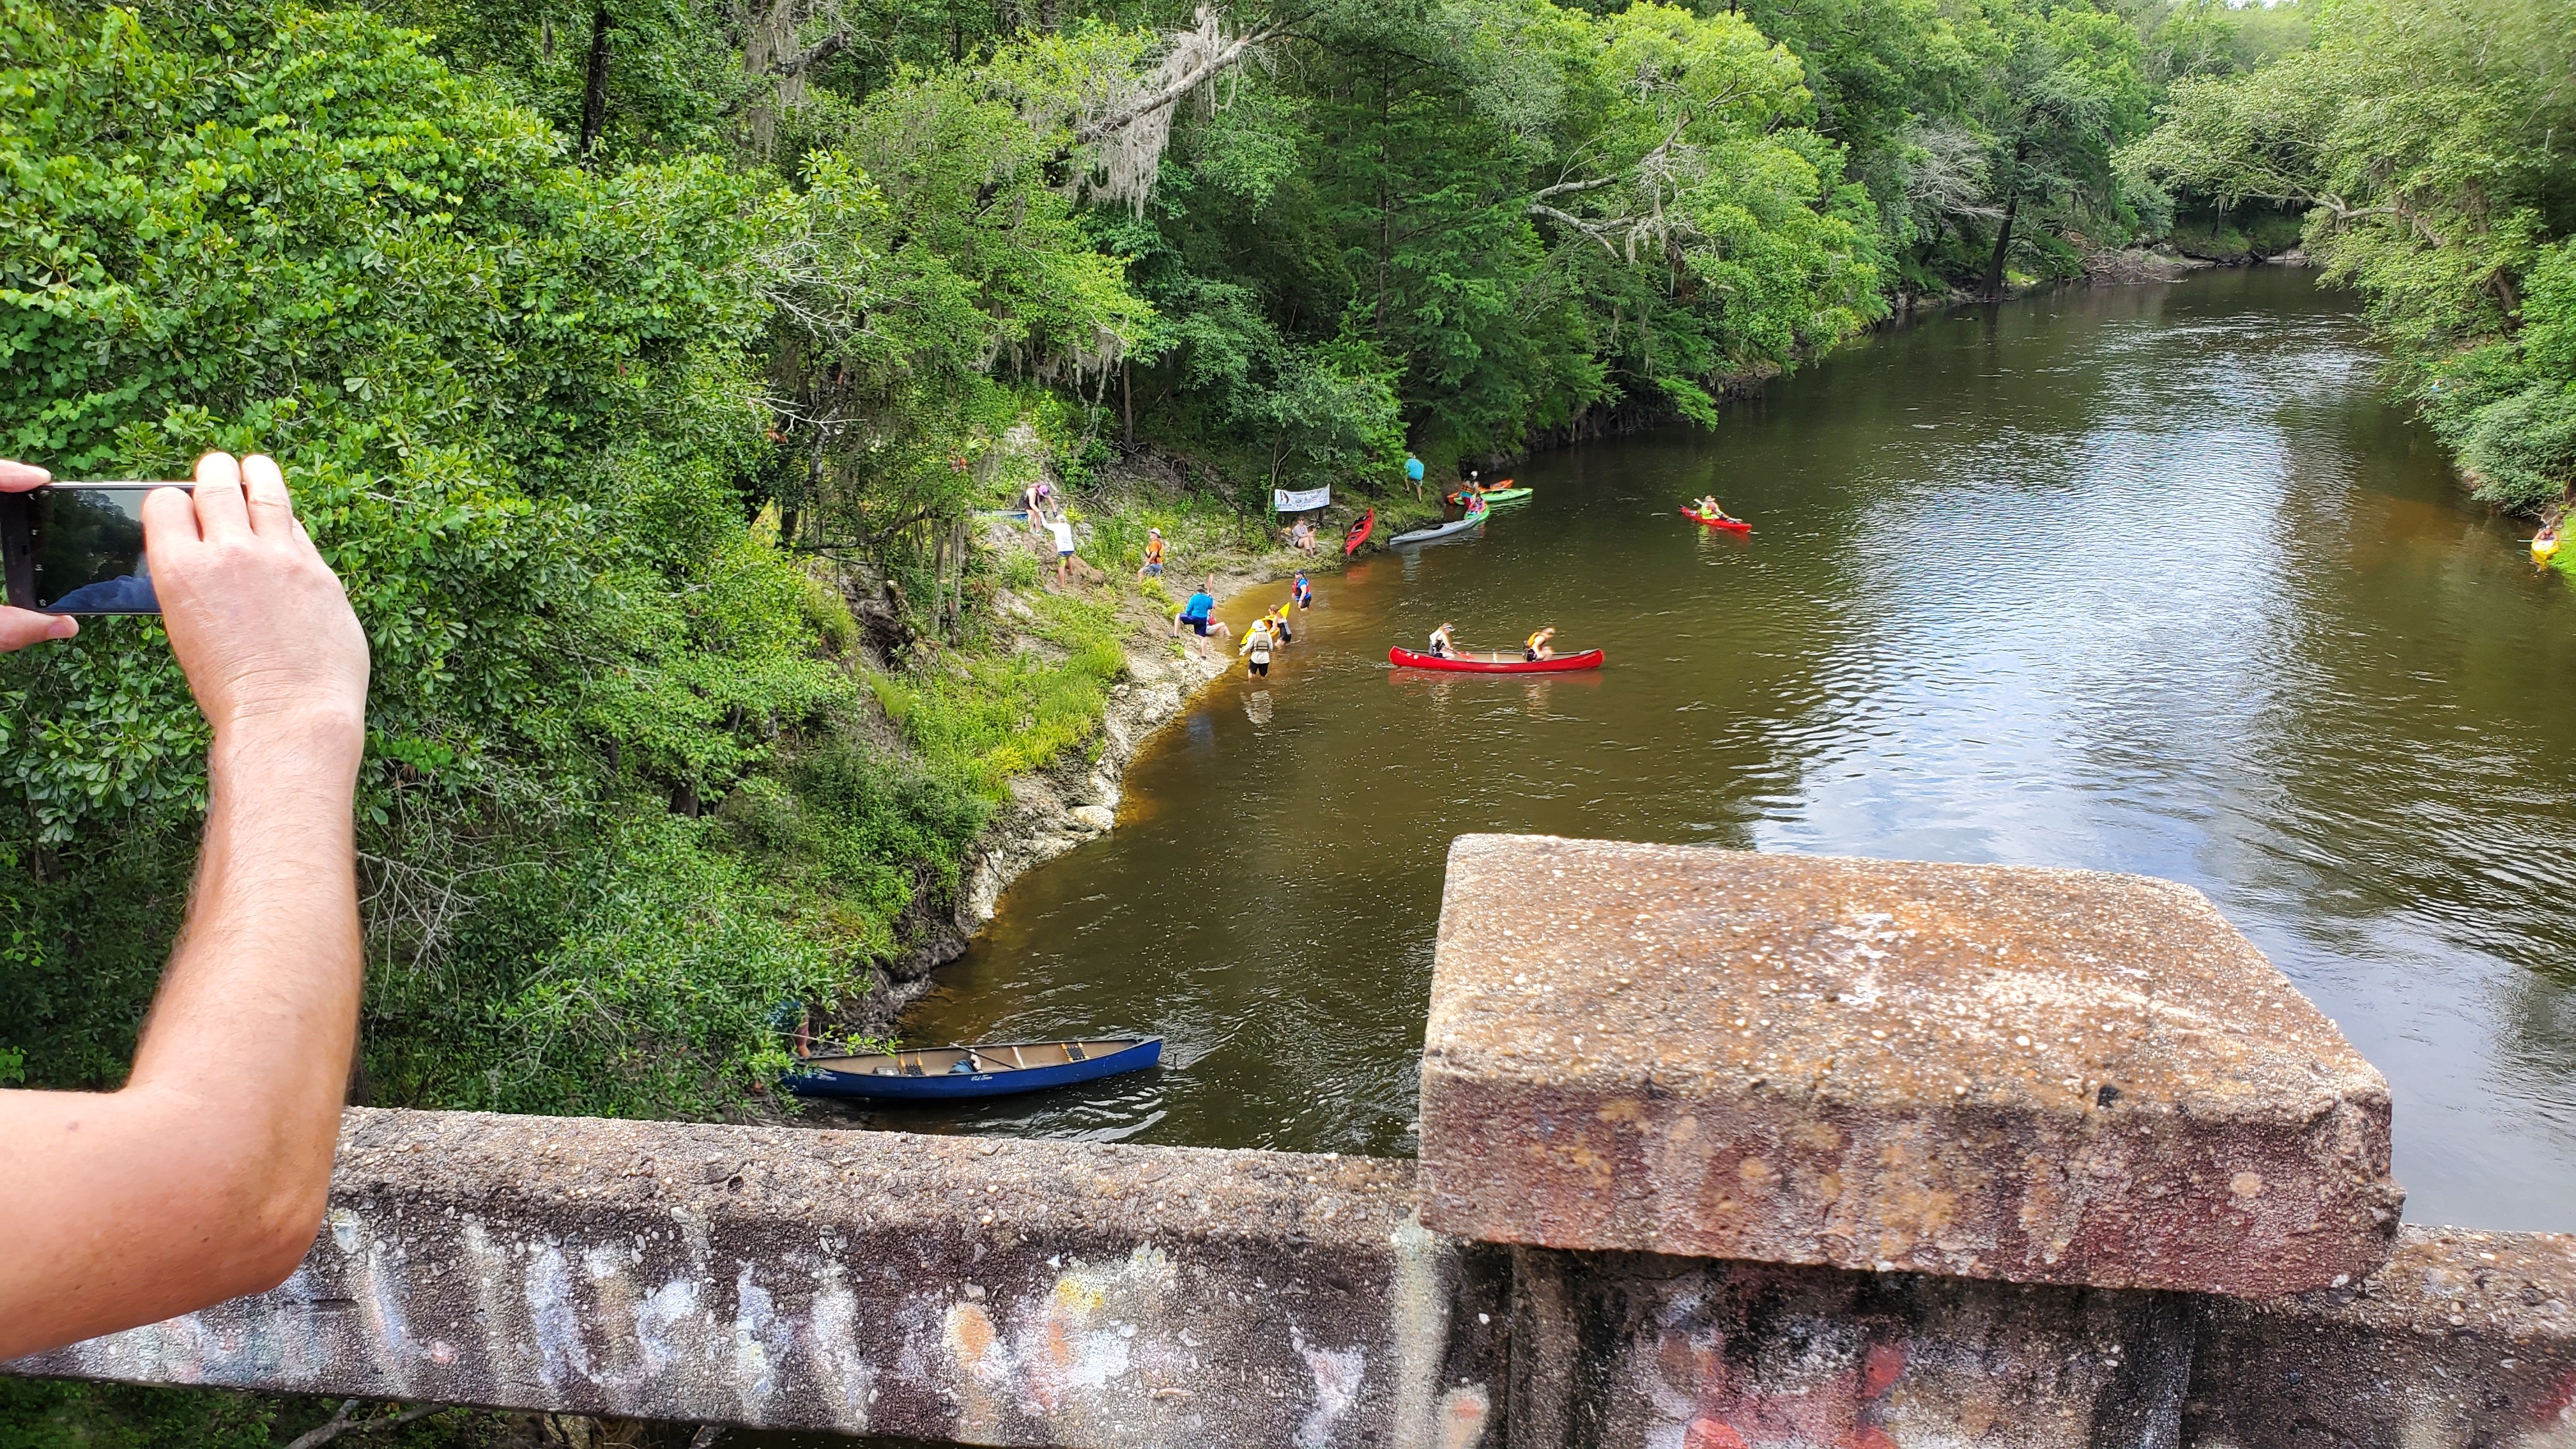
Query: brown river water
[2145, 579]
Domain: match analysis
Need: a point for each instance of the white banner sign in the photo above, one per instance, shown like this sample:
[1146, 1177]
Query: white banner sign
[1301, 500]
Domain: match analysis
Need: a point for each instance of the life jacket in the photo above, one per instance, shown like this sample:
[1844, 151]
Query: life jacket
[1260, 646]
[1153, 550]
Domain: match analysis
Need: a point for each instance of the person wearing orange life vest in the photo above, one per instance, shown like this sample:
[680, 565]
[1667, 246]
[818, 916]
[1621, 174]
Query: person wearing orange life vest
[1538, 647]
[1153, 568]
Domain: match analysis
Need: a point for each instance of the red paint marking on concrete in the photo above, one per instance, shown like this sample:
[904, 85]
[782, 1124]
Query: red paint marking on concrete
[1880, 1367]
[1712, 1434]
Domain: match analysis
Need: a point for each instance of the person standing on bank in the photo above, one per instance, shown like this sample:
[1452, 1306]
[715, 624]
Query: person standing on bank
[1062, 526]
[204, 1177]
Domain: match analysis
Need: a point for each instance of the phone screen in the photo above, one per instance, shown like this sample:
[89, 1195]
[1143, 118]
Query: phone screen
[89, 549]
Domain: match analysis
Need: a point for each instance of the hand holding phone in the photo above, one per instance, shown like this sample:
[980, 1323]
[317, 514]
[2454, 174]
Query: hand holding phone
[257, 619]
[77, 548]
[21, 625]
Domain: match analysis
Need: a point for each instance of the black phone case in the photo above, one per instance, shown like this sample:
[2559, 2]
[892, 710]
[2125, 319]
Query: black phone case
[18, 549]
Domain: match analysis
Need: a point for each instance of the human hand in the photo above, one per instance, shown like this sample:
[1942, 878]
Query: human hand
[257, 619]
[22, 627]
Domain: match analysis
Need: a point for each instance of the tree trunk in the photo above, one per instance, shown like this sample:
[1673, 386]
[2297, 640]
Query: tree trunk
[769, 38]
[1127, 402]
[2003, 243]
[2012, 208]
[594, 86]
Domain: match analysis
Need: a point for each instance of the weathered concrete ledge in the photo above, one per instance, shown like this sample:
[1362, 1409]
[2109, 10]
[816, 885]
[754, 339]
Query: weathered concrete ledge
[2039, 1075]
[2464, 1338]
[1620, 1035]
[983, 1292]
[987, 1292]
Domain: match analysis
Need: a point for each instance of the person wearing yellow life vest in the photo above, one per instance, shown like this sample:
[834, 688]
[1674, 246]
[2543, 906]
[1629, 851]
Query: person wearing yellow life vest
[1257, 644]
[1538, 647]
[1709, 510]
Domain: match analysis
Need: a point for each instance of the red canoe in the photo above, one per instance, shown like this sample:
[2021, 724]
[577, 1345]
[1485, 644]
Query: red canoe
[1359, 533]
[1731, 525]
[1495, 663]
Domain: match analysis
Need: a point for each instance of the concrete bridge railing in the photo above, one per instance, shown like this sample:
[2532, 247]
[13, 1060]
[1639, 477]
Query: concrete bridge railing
[1718, 1150]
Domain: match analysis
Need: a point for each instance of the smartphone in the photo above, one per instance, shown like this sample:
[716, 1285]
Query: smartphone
[77, 548]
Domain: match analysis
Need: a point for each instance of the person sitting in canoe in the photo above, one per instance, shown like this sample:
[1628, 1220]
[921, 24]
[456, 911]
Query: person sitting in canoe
[1538, 647]
[1442, 646]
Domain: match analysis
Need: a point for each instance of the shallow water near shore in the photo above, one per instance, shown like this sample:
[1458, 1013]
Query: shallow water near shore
[2145, 579]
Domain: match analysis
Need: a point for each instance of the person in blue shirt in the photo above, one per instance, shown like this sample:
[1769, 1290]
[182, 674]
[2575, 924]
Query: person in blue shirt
[1197, 615]
[1305, 591]
[1413, 473]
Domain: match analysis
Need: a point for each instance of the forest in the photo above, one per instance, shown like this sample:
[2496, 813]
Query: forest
[606, 342]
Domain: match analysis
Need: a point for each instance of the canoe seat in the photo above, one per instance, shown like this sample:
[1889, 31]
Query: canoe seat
[1073, 1052]
[912, 1070]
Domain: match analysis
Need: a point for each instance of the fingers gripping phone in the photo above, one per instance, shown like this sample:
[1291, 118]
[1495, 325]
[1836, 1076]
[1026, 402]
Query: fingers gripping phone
[77, 548]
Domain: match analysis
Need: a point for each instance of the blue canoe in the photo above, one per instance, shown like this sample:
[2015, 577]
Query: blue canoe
[937, 1073]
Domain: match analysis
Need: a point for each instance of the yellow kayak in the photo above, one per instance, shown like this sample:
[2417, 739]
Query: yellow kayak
[2542, 549]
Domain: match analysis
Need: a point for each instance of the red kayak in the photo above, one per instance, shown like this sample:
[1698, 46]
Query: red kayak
[1359, 533]
[1495, 663]
[1731, 525]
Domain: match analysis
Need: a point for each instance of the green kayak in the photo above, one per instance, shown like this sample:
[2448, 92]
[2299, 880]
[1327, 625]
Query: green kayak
[1506, 495]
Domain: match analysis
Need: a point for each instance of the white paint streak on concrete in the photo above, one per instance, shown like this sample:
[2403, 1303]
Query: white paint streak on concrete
[1420, 1324]
[380, 1275]
[831, 1337]
[1339, 1375]
[663, 1310]
[759, 1339]
[555, 1320]
[503, 1355]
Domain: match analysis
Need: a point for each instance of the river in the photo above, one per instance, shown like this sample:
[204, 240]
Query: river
[2142, 579]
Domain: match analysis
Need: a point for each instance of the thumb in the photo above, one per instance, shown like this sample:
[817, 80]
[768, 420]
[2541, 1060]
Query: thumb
[22, 627]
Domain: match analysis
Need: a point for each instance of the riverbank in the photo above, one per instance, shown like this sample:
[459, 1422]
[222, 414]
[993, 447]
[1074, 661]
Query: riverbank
[1072, 796]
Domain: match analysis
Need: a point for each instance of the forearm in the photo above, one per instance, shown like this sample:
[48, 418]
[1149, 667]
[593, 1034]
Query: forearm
[223, 1133]
[261, 994]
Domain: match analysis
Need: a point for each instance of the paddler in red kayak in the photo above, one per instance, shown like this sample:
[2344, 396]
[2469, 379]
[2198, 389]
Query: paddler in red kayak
[1710, 512]
[1538, 647]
